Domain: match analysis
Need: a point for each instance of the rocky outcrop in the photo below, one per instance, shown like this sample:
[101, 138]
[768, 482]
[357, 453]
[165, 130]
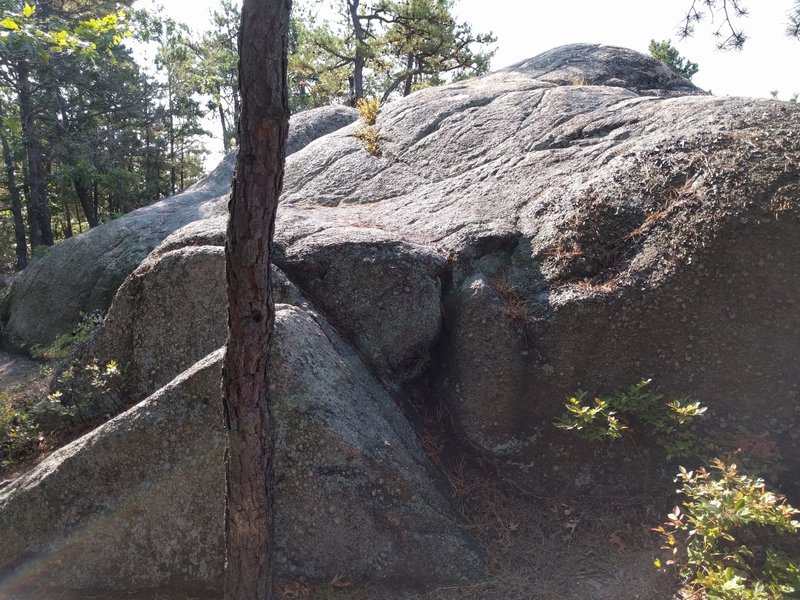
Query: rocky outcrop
[138, 502]
[582, 219]
[81, 275]
[596, 235]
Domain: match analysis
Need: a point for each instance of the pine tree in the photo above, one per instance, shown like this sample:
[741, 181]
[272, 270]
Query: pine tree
[669, 55]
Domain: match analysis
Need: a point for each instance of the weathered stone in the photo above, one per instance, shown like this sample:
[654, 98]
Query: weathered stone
[483, 376]
[127, 503]
[613, 213]
[594, 235]
[81, 275]
[382, 292]
[138, 502]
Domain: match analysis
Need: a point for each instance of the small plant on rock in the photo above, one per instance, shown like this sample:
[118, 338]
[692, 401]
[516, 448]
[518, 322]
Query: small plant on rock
[18, 432]
[612, 416]
[83, 390]
[724, 538]
[368, 109]
[63, 344]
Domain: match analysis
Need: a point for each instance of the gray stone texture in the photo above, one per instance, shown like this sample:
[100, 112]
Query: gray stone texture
[81, 275]
[138, 502]
[582, 219]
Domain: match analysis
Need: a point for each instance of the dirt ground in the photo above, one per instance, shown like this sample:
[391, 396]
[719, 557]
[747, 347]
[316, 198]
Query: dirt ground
[20, 379]
[541, 549]
[537, 549]
[17, 372]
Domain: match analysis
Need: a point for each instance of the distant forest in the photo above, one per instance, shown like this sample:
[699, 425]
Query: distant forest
[103, 105]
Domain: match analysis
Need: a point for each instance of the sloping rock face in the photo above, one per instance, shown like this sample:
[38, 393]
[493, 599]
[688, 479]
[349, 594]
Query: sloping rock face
[138, 503]
[82, 274]
[596, 235]
[583, 219]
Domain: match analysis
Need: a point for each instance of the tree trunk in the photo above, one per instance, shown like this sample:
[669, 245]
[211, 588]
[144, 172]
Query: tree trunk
[88, 203]
[183, 164]
[237, 113]
[78, 217]
[358, 63]
[171, 128]
[16, 205]
[226, 142]
[263, 129]
[410, 77]
[68, 219]
[38, 209]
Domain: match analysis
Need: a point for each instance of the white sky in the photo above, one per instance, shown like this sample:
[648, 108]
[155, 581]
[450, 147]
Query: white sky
[526, 28]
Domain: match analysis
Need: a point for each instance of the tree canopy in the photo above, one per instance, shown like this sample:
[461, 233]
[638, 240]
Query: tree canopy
[669, 55]
[380, 48]
[103, 108]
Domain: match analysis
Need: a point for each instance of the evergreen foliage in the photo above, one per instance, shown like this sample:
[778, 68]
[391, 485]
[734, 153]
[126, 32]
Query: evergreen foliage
[669, 55]
[379, 48]
[87, 133]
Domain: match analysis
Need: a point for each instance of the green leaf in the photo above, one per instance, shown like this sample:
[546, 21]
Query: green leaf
[9, 24]
[61, 38]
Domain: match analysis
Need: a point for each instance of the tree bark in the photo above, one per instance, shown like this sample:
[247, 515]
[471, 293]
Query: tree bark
[41, 231]
[16, 205]
[171, 132]
[257, 183]
[359, 60]
[67, 219]
[410, 78]
[88, 203]
[226, 141]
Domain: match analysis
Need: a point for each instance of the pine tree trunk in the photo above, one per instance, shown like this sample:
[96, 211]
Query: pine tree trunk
[358, 64]
[171, 131]
[89, 204]
[67, 219]
[263, 128]
[226, 141]
[16, 205]
[41, 231]
[410, 78]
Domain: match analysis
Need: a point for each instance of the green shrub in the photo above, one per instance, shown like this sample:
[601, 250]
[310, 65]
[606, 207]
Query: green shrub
[369, 137]
[19, 432]
[40, 251]
[368, 109]
[723, 539]
[63, 344]
[611, 417]
[89, 390]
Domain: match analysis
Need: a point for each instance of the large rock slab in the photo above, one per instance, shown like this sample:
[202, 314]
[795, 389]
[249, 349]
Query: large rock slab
[601, 221]
[81, 275]
[382, 292]
[138, 502]
[604, 222]
[172, 310]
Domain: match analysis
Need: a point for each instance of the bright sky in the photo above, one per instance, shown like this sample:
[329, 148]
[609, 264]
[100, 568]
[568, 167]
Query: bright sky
[526, 28]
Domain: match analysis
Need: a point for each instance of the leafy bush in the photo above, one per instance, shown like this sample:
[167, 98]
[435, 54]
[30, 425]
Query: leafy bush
[723, 539]
[613, 416]
[40, 251]
[61, 347]
[369, 137]
[83, 390]
[19, 432]
[368, 109]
